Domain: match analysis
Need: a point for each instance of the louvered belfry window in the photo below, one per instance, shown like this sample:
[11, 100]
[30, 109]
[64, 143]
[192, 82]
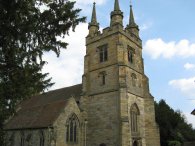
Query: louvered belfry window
[103, 52]
[131, 54]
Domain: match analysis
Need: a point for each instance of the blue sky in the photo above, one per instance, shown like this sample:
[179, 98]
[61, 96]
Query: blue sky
[167, 29]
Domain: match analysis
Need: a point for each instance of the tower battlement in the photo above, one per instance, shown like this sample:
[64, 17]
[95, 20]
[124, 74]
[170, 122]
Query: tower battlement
[112, 30]
[116, 26]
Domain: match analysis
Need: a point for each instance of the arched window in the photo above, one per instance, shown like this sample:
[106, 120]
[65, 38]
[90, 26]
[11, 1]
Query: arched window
[134, 79]
[22, 139]
[41, 139]
[131, 53]
[134, 115]
[72, 125]
[11, 139]
[28, 138]
[102, 75]
[130, 56]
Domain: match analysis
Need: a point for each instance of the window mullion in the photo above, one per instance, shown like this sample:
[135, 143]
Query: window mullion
[69, 131]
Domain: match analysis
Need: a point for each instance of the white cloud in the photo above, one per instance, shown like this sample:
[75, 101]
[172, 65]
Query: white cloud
[190, 118]
[146, 26]
[186, 86]
[68, 68]
[189, 66]
[158, 48]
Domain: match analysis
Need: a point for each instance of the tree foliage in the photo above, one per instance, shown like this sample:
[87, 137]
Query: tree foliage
[174, 129]
[28, 28]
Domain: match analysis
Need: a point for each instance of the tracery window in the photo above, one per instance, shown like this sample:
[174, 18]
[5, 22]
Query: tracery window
[134, 115]
[41, 139]
[22, 139]
[72, 129]
[28, 138]
[11, 139]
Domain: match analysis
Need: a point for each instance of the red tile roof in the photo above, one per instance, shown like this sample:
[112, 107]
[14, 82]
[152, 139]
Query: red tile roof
[42, 110]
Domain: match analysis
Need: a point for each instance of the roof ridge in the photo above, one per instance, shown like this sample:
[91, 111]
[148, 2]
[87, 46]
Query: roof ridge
[59, 89]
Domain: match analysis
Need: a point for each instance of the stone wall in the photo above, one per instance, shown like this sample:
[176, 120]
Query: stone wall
[108, 106]
[31, 137]
[60, 124]
[152, 130]
[103, 120]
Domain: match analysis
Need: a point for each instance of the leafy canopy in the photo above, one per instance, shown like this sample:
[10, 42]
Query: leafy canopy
[174, 129]
[28, 28]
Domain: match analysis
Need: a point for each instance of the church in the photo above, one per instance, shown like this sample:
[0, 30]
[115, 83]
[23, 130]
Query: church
[111, 107]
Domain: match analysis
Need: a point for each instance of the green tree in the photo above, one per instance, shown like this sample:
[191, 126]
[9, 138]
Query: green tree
[174, 129]
[26, 32]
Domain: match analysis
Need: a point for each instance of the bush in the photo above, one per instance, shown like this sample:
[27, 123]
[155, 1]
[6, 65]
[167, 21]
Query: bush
[174, 143]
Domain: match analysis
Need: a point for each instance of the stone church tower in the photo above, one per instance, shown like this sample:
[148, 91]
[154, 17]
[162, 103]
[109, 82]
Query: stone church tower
[116, 97]
[112, 106]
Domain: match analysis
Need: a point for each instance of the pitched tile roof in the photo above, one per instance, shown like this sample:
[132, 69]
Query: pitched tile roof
[42, 110]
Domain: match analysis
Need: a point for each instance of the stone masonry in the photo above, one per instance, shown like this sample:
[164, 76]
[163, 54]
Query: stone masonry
[113, 105]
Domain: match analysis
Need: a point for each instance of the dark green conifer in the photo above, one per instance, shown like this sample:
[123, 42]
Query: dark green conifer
[26, 32]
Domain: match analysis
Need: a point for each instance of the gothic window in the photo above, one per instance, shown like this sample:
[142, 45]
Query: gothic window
[22, 139]
[11, 139]
[72, 129]
[134, 79]
[103, 52]
[67, 133]
[134, 115]
[131, 53]
[28, 138]
[102, 75]
[41, 139]
[130, 56]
